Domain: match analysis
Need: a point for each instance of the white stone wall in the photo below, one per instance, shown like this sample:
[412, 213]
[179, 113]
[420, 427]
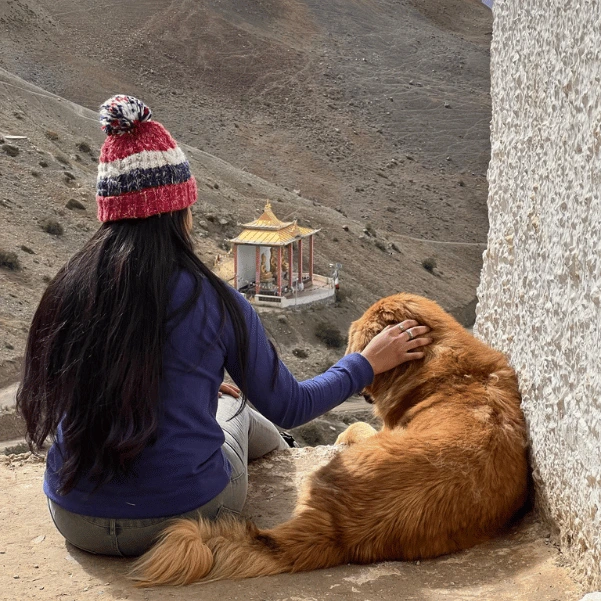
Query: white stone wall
[540, 293]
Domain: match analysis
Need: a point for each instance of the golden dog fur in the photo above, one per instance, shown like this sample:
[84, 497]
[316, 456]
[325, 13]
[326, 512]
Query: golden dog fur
[447, 471]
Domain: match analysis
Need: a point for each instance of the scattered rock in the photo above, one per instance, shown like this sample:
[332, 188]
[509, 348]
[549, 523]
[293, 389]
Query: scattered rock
[73, 203]
[52, 226]
[43, 164]
[27, 250]
[447, 105]
[51, 135]
[282, 319]
[320, 431]
[9, 346]
[35, 173]
[69, 177]
[300, 353]
[345, 228]
[10, 150]
[61, 158]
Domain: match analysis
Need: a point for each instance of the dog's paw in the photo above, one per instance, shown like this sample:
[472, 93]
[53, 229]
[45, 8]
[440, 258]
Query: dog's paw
[355, 433]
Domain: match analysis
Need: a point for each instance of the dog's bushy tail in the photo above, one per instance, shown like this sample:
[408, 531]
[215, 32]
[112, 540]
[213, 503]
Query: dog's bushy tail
[200, 550]
[179, 557]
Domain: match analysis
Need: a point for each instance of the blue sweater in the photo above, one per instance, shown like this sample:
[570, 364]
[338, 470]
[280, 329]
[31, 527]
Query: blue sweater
[186, 467]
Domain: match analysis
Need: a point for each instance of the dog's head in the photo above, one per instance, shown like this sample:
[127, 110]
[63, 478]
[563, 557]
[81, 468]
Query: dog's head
[395, 391]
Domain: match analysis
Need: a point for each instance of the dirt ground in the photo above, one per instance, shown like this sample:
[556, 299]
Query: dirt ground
[36, 563]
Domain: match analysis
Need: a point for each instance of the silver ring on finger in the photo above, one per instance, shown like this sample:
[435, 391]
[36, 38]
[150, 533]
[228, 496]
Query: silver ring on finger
[400, 327]
[410, 333]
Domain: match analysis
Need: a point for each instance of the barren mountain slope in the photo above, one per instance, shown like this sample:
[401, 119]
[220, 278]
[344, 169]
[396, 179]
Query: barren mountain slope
[281, 93]
[316, 96]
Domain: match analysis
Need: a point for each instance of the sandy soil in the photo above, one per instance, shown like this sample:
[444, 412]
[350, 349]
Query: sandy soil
[36, 563]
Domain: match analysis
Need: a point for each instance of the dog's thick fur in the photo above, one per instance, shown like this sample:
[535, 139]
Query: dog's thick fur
[447, 471]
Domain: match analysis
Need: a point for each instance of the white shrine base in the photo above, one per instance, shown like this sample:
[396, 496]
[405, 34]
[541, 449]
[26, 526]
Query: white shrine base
[321, 290]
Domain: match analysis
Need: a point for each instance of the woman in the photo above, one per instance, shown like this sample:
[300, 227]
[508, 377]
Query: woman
[127, 352]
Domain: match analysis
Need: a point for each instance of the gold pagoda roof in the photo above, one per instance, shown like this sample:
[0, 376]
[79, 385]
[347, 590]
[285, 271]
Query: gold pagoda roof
[267, 221]
[268, 230]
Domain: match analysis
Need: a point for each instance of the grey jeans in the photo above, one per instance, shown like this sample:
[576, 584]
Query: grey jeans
[247, 436]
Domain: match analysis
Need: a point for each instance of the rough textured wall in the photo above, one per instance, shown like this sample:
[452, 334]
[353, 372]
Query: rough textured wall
[540, 293]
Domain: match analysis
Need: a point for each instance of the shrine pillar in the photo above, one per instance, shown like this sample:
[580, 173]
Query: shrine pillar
[300, 260]
[290, 264]
[235, 266]
[257, 269]
[311, 259]
[279, 282]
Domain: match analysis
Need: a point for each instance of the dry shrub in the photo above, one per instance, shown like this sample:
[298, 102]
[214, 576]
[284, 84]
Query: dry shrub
[9, 260]
[51, 226]
[330, 335]
[429, 264]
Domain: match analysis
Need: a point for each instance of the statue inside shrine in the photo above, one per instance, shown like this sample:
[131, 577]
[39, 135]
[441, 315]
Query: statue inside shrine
[265, 275]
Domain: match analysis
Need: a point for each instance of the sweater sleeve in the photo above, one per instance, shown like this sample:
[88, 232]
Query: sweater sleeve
[276, 393]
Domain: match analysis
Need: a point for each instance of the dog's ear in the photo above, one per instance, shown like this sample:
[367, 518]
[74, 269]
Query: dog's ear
[360, 333]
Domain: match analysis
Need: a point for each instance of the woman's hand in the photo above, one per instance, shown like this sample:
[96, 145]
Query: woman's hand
[229, 389]
[396, 344]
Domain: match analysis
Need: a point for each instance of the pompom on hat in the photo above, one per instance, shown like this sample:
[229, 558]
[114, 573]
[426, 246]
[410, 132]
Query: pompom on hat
[142, 170]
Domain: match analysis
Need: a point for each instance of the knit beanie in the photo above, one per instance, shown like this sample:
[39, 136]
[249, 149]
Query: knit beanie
[142, 171]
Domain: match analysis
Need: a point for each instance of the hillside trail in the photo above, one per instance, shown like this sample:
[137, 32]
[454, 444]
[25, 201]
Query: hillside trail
[37, 564]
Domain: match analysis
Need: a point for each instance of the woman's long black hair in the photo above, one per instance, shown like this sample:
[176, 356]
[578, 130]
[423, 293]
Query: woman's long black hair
[94, 352]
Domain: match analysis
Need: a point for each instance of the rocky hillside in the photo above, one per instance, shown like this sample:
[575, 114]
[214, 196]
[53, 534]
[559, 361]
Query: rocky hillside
[367, 119]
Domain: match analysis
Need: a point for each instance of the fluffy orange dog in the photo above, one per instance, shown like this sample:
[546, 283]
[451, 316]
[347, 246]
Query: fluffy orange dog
[447, 471]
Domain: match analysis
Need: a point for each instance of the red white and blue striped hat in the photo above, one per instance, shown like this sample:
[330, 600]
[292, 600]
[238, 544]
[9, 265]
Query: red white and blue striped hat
[142, 170]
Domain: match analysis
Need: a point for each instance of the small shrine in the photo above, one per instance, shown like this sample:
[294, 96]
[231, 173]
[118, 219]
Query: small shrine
[273, 262]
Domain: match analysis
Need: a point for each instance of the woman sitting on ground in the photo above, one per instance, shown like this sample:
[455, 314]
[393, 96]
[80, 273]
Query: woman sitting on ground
[127, 352]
